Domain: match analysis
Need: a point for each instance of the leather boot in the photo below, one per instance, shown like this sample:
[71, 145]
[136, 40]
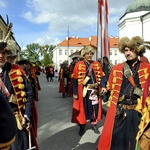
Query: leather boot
[95, 129]
[81, 130]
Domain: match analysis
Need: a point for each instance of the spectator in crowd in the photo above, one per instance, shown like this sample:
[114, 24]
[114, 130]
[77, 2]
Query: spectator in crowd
[56, 75]
[107, 66]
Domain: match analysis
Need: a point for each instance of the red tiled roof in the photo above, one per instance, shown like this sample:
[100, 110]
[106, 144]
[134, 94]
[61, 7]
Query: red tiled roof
[114, 42]
[76, 41]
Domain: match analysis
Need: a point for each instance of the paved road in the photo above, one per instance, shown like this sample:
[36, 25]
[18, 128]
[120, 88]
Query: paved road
[55, 130]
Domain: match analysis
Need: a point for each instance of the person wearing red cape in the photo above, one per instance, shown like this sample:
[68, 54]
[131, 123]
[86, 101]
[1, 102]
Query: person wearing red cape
[126, 84]
[23, 64]
[63, 77]
[88, 82]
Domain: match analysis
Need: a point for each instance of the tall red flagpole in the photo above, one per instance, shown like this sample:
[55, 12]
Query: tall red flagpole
[102, 30]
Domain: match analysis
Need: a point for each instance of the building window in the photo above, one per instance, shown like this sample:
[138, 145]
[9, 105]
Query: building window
[72, 51]
[115, 52]
[66, 52]
[115, 62]
[60, 52]
[110, 52]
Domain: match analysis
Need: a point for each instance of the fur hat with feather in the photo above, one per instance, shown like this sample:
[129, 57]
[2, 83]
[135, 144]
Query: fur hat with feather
[7, 44]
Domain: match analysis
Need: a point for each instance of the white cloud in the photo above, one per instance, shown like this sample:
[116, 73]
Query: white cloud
[2, 4]
[79, 16]
[47, 40]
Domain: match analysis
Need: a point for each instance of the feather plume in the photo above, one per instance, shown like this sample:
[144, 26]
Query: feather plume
[147, 44]
[147, 47]
[8, 32]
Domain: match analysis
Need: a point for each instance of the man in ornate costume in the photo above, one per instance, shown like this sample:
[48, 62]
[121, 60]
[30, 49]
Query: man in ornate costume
[18, 93]
[88, 81]
[63, 78]
[23, 64]
[8, 127]
[70, 71]
[126, 84]
[35, 72]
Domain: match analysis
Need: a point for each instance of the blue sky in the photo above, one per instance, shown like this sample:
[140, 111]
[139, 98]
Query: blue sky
[47, 21]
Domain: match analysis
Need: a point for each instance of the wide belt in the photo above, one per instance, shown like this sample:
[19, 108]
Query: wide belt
[129, 107]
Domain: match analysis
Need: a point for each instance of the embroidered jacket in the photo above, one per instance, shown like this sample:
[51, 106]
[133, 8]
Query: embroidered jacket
[114, 85]
[78, 114]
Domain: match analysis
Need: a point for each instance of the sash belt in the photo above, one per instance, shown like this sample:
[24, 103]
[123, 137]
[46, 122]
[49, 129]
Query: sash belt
[129, 107]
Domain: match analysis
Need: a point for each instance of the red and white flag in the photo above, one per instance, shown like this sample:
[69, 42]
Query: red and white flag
[102, 33]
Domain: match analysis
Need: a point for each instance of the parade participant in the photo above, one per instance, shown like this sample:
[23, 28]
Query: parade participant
[107, 66]
[47, 70]
[18, 93]
[70, 71]
[87, 83]
[35, 72]
[51, 69]
[143, 136]
[11, 57]
[23, 64]
[144, 59]
[56, 74]
[63, 78]
[100, 61]
[8, 126]
[126, 83]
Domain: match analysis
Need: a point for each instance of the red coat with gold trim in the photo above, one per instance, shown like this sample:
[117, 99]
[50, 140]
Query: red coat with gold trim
[114, 85]
[78, 114]
[70, 70]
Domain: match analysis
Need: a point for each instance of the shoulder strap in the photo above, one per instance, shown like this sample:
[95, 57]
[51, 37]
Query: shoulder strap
[128, 74]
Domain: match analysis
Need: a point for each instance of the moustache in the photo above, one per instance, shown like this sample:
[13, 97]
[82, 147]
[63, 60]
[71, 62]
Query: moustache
[127, 55]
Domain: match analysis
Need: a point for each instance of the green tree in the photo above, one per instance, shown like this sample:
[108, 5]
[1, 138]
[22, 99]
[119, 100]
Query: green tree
[31, 52]
[47, 53]
[35, 52]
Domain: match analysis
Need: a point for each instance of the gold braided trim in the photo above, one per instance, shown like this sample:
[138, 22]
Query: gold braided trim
[143, 69]
[113, 102]
[4, 146]
[20, 79]
[21, 106]
[82, 67]
[95, 65]
[72, 75]
[115, 79]
[116, 91]
[23, 94]
[144, 75]
[116, 71]
[113, 85]
[18, 72]
[20, 86]
[22, 99]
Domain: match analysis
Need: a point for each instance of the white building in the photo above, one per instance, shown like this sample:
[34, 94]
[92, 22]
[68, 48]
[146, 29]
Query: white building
[136, 22]
[65, 50]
